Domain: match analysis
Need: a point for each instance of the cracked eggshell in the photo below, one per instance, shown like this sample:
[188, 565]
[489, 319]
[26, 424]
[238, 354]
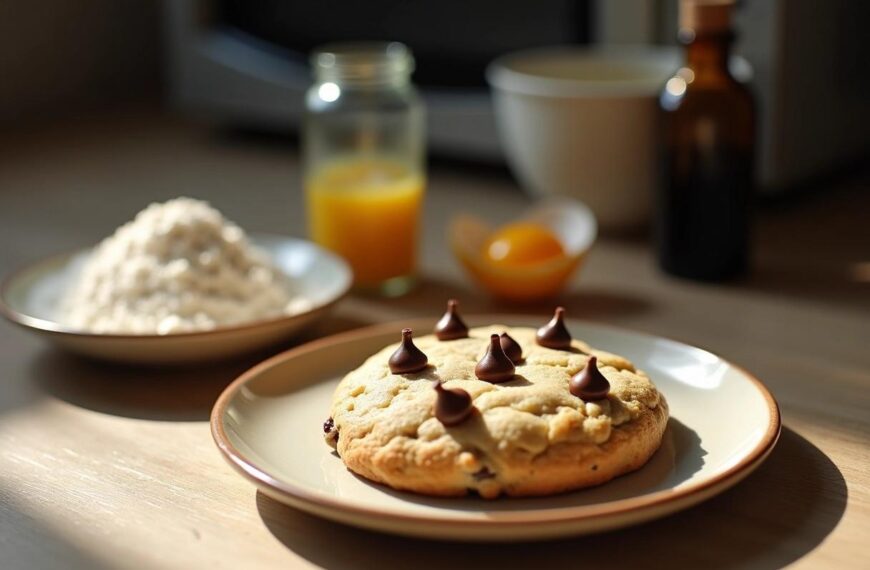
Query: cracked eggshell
[569, 220]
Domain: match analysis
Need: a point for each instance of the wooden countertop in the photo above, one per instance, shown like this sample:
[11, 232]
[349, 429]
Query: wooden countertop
[112, 467]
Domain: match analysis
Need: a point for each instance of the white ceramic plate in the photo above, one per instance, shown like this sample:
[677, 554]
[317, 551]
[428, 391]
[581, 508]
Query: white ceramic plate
[267, 424]
[29, 298]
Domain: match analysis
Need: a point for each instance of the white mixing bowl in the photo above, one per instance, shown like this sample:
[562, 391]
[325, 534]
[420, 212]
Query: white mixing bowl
[581, 122]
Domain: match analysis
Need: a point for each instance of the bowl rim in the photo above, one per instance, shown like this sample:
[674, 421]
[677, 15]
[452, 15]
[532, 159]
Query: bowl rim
[502, 76]
[25, 320]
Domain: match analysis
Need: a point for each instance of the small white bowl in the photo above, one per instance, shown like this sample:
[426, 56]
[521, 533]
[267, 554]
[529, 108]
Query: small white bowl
[581, 122]
[29, 298]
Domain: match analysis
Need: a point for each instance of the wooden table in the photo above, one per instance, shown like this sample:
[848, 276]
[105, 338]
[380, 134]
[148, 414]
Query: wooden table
[112, 467]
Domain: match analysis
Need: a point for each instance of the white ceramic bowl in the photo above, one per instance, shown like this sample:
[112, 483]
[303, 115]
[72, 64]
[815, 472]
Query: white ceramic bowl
[581, 122]
[30, 296]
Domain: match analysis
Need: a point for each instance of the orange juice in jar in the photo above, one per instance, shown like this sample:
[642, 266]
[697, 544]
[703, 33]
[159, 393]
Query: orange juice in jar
[364, 152]
[367, 209]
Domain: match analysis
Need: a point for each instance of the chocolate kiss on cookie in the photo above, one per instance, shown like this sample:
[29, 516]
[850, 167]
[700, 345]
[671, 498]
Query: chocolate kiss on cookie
[450, 326]
[511, 348]
[453, 405]
[407, 358]
[554, 334]
[590, 384]
[495, 366]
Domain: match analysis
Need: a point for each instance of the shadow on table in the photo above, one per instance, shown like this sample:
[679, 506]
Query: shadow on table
[167, 393]
[808, 248]
[776, 516]
[833, 285]
[432, 293]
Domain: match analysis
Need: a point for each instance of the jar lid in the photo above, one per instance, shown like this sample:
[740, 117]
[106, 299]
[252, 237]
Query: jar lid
[363, 62]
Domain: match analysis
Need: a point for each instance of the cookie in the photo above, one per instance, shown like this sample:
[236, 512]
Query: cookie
[529, 435]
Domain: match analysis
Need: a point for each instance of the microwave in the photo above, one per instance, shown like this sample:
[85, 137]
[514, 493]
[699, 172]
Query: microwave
[245, 63]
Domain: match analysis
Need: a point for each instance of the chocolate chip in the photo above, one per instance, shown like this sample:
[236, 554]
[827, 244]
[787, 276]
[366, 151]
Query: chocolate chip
[511, 348]
[453, 405]
[595, 468]
[330, 432]
[450, 326]
[407, 358]
[483, 473]
[590, 383]
[495, 366]
[554, 334]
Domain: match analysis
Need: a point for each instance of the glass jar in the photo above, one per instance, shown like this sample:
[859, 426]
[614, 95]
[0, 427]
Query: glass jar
[364, 161]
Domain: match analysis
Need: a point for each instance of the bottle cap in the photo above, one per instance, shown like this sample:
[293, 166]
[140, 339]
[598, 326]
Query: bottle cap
[705, 16]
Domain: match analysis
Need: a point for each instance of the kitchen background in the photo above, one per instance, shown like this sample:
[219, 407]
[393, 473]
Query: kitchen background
[244, 63]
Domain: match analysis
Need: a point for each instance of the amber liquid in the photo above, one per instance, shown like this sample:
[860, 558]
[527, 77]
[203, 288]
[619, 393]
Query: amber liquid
[706, 185]
[704, 221]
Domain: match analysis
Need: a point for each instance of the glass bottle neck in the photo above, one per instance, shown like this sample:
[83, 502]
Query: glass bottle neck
[708, 54]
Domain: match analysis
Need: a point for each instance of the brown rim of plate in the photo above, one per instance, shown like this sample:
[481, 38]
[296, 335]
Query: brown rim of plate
[53, 327]
[257, 475]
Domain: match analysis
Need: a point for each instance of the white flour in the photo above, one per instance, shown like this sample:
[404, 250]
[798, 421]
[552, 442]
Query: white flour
[177, 267]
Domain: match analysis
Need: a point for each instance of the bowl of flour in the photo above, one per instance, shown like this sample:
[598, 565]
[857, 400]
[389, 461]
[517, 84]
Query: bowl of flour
[178, 283]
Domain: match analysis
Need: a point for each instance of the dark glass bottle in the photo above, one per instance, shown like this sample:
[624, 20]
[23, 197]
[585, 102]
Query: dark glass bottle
[707, 153]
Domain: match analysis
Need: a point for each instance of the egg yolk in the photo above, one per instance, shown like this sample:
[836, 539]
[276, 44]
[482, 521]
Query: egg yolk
[521, 244]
